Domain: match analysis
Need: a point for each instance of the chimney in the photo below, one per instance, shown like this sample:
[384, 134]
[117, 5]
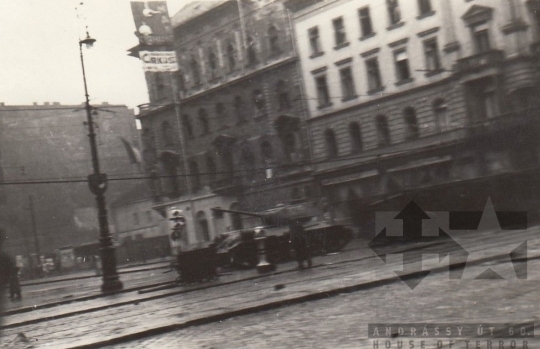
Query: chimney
[46, 103]
[56, 103]
[2, 104]
[35, 103]
[105, 103]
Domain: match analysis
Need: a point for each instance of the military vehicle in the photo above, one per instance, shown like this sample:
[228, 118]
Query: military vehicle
[238, 248]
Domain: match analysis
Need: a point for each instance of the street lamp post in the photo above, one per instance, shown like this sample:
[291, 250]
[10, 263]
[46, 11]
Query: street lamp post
[97, 182]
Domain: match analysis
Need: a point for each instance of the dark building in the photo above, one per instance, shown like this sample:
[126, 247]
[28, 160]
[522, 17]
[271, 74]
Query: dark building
[236, 136]
[46, 156]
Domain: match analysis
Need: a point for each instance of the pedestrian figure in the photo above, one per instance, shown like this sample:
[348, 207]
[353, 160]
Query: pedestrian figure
[300, 244]
[14, 283]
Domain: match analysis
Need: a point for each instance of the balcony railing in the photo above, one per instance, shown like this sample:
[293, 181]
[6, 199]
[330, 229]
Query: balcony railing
[480, 61]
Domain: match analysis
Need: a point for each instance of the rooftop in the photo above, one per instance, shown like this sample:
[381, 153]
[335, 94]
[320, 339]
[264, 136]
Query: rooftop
[194, 9]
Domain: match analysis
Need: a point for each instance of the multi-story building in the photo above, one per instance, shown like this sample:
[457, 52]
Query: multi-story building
[140, 230]
[425, 100]
[235, 137]
[46, 158]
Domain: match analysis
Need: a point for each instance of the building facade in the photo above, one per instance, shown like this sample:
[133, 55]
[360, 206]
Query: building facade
[46, 157]
[422, 100]
[232, 133]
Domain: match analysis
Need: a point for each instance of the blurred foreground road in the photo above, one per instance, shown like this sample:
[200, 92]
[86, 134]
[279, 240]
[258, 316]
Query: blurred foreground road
[288, 309]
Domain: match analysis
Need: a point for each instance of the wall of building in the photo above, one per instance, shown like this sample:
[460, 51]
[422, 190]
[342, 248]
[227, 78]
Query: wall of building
[49, 142]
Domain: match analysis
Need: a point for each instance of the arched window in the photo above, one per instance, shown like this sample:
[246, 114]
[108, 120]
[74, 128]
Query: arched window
[258, 101]
[211, 168]
[221, 114]
[331, 144]
[195, 71]
[251, 50]
[383, 132]
[203, 230]
[167, 134]
[231, 56]
[411, 123]
[186, 123]
[282, 95]
[356, 137]
[273, 40]
[203, 120]
[239, 108]
[194, 173]
[266, 151]
[441, 116]
[212, 63]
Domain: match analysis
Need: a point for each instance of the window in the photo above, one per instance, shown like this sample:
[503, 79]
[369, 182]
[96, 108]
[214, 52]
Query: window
[289, 145]
[204, 232]
[211, 168]
[331, 144]
[347, 83]
[431, 52]
[424, 7]
[248, 161]
[180, 82]
[167, 133]
[282, 95]
[314, 41]
[394, 14]
[203, 120]
[365, 22]
[402, 66]
[195, 72]
[212, 63]
[231, 56]
[258, 101]
[383, 131]
[194, 172]
[266, 151]
[322, 91]
[339, 31]
[221, 114]
[481, 39]
[228, 163]
[356, 137]
[251, 51]
[238, 108]
[159, 85]
[491, 105]
[149, 216]
[186, 123]
[273, 40]
[441, 117]
[373, 74]
[411, 123]
[135, 218]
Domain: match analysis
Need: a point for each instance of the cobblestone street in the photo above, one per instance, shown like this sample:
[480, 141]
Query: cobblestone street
[211, 316]
[341, 322]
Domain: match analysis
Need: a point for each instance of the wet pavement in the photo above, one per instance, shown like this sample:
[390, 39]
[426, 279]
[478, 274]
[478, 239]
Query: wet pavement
[128, 316]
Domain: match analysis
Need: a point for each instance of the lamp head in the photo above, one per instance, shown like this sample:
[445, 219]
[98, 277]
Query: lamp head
[88, 41]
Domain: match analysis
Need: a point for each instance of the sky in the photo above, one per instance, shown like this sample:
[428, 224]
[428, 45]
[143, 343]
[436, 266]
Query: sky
[39, 56]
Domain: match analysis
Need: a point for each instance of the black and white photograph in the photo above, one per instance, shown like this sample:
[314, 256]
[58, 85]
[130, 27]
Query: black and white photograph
[307, 174]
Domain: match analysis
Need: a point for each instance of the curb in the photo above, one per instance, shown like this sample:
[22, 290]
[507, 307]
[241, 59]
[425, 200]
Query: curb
[281, 303]
[164, 284]
[90, 276]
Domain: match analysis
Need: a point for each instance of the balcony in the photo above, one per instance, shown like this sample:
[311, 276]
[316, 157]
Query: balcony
[492, 58]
